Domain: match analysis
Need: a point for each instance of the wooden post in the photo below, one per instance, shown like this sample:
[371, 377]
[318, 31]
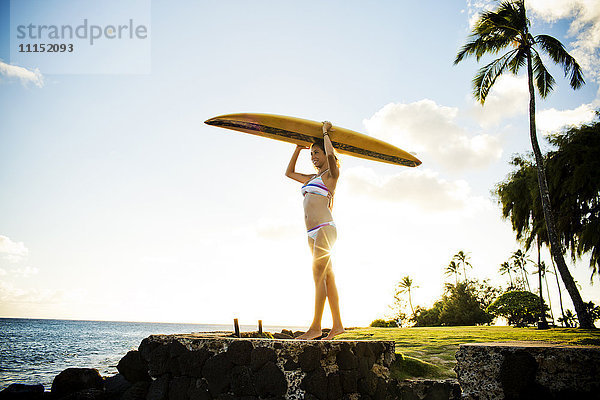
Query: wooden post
[260, 326]
[236, 326]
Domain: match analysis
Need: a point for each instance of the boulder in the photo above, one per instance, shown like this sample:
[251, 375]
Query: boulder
[116, 384]
[133, 367]
[309, 358]
[20, 391]
[270, 381]
[73, 380]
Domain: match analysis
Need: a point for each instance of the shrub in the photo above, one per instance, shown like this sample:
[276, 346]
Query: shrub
[381, 323]
[461, 304]
[519, 307]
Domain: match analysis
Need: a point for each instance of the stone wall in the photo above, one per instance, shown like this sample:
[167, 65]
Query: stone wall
[193, 367]
[528, 370]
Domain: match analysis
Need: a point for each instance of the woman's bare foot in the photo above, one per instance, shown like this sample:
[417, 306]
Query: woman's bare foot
[310, 334]
[333, 333]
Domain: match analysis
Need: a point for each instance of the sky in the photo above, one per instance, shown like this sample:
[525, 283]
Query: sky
[118, 203]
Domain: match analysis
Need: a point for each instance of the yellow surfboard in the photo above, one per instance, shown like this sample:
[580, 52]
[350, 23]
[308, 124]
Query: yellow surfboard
[304, 132]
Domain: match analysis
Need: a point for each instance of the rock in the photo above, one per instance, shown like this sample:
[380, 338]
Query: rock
[260, 356]
[163, 358]
[116, 384]
[158, 389]
[290, 365]
[287, 332]
[298, 333]
[315, 383]
[270, 381]
[242, 381]
[73, 380]
[19, 391]
[368, 384]
[348, 380]
[133, 367]
[137, 391]
[217, 373]
[239, 352]
[334, 387]
[87, 394]
[310, 358]
[179, 387]
[282, 336]
[529, 370]
[199, 390]
[192, 362]
[346, 359]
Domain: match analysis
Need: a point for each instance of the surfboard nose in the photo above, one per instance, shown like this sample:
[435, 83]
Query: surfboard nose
[211, 121]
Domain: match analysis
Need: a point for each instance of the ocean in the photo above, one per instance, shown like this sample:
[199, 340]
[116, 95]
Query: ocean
[34, 351]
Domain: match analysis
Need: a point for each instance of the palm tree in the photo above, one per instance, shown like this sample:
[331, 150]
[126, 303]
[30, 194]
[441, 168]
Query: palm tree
[463, 259]
[562, 310]
[405, 286]
[542, 324]
[494, 31]
[506, 268]
[452, 268]
[545, 271]
[519, 259]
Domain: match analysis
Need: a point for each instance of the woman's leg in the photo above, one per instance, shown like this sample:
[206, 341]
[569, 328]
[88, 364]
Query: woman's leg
[321, 248]
[334, 305]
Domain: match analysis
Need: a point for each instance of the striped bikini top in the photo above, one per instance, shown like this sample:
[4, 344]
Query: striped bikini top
[316, 186]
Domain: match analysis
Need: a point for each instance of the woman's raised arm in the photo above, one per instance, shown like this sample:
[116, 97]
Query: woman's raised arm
[290, 172]
[333, 167]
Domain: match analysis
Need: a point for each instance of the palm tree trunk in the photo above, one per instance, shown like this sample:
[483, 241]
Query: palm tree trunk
[543, 324]
[549, 300]
[410, 302]
[555, 244]
[562, 310]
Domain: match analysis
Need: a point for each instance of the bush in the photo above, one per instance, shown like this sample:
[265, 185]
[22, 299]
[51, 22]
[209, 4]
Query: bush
[381, 323]
[461, 304]
[519, 307]
[428, 317]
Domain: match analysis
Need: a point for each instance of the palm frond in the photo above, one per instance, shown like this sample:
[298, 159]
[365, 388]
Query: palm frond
[486, 76]
[556, 51]
[509, 18]
[543, 80]
[482, 45]
[519, 60]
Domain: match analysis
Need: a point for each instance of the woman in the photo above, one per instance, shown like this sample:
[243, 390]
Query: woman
[318, 194]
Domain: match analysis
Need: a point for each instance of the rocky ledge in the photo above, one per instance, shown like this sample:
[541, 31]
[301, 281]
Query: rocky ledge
[204, 367]
[528, 370]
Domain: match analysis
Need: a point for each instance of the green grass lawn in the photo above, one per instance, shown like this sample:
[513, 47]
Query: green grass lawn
[429, 352]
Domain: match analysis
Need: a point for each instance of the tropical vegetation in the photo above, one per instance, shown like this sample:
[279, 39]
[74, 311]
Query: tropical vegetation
[507, 27]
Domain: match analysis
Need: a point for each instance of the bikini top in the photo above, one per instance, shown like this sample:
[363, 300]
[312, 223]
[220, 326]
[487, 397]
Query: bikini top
[316, 186]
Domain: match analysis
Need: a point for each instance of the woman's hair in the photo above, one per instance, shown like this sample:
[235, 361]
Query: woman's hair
[320, 143]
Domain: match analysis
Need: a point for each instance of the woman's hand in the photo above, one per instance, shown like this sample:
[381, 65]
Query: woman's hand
[326, 126]
[301, 147]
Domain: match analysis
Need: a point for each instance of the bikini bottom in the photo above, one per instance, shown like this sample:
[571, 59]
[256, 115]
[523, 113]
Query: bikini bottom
[312, 232]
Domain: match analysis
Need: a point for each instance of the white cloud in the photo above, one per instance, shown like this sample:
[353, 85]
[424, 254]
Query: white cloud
[11, 251]
[431, 129]
[25, 272]
[422, 188]
[585, 28]
[272, 229]
[508, 97]
[25, 75]
[552, 120]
